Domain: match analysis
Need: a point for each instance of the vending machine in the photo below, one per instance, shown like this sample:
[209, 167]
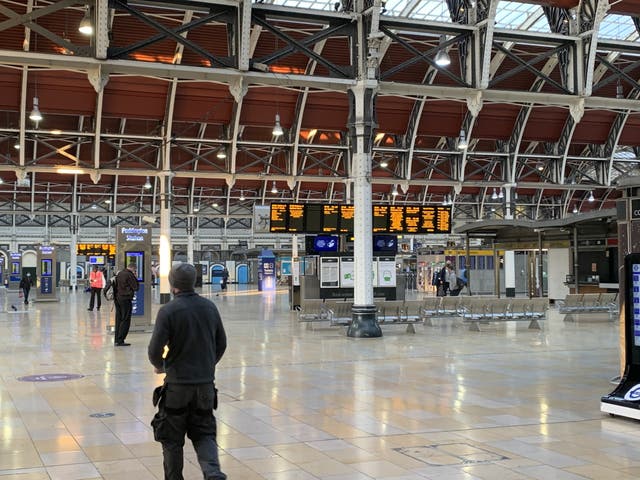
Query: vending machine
[625, 398]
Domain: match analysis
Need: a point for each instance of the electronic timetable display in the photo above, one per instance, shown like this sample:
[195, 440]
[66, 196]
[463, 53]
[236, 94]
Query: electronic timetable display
[138, 259]
[333, 219]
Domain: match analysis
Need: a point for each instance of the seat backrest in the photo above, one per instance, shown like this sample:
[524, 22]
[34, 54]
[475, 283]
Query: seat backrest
[590, 299]
[573, 300]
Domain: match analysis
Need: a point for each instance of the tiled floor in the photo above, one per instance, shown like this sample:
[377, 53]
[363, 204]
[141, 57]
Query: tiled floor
[299, 404]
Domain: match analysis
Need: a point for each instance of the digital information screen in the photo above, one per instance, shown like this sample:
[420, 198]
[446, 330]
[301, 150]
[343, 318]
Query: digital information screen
[295, 223]
[636, 303]
[313, 218]
[279, 212]
[380, 219]
[347, 213]
[328, 219]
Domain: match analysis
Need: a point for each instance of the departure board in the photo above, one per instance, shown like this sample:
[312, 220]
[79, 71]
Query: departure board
[313, 218]
[428, 220]
[295, 223]
[347, 213]
[380, 218]
[412, 219]
[331, 219]
[396, 219]
[279, 213]
[444, 220]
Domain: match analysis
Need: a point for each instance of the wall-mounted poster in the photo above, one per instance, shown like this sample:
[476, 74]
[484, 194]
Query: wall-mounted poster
[347, 271]
[329, 272]
[386, 271]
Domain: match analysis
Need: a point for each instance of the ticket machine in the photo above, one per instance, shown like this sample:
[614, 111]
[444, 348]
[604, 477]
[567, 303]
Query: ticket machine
[15, 270]
[46, 273]
[133, 245]
[625, 399]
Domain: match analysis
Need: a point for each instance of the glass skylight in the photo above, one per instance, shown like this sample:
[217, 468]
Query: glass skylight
[618, 27]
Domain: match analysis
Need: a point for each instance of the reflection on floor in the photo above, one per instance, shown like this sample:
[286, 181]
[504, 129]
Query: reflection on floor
[300, 404]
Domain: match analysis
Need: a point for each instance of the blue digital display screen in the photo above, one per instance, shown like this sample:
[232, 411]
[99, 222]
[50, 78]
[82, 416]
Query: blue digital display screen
[326, 243]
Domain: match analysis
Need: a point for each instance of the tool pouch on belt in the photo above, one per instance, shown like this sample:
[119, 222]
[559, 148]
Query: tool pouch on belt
[158, 393]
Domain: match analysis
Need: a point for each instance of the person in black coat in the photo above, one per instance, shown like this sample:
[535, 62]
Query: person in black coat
[25, 285]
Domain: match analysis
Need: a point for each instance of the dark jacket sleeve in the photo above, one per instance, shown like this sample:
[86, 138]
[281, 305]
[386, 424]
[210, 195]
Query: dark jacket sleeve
[221, 342]
[159, 338]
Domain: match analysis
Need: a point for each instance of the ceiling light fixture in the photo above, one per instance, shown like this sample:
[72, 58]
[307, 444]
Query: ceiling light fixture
[70, 170]
[94, 206]
[462, 140]
[442, 57]
[575, 209]
[394, 192]
[196, 209]
[242, 199]
[86, 26]
[494, 195]
[274, 189]
[35, 114]
[591, 197]
[147, 184]
[1, 181]
[540, 166]
[16, 145]
[500, 194]
[384, 163]
[221, 154]
[277, 128]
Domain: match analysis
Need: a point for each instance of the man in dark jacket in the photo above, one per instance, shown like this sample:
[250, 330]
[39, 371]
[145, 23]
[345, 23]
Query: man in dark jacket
[191, 328]
[126, 287]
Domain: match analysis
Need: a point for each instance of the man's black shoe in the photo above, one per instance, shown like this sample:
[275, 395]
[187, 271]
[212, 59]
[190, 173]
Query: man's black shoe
[122, 344]
[90, 309]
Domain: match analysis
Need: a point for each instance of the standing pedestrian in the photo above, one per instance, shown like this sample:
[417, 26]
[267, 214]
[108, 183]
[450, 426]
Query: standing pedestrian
[191, 328]
[96, 284]
[25, 285]
[224, 280]
[126, 287]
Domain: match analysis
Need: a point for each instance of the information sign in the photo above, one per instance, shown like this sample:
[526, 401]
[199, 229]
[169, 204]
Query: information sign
[330, 218]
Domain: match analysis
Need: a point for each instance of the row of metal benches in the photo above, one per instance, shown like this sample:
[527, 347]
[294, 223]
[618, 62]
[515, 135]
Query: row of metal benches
[575, 303]
[472, 310]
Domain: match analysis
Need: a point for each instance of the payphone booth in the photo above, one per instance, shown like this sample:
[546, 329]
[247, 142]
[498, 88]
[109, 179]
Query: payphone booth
[14, 270]
[133, 245]
[625, 399]
[46, 272]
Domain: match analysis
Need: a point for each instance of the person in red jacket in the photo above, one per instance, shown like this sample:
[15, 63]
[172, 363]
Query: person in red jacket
[96, 284]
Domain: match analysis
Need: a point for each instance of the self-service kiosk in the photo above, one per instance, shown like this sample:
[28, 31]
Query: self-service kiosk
[133, 245]
[15, 270]
[625, 399]
[46, 273]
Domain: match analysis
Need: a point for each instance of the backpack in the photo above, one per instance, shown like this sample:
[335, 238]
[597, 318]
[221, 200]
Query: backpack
[111, 288]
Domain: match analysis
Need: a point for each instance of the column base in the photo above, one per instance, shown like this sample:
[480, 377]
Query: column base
[510, 292]
[363, 322]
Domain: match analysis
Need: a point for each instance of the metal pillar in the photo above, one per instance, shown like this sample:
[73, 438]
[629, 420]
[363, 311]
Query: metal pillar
[165, 237]
[364, 323]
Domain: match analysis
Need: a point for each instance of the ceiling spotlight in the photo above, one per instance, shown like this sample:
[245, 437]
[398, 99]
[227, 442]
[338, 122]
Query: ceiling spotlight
[35, 114]
[394, 192]
[494, 195]
[442, 57]
[242, 199]
[540, 166]
[575, 209]
[274, 189]
[147, 184]
[16, 145]
[86, 27]
[221, 154]
[462, 140]
[384, 163]
[591, 197]
[277, 128]
[196, 209]
[500, 194]
[107, 201]
[1, 181]
[94, 206]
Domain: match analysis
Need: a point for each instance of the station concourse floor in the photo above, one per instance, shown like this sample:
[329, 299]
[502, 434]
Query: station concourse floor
[300, 404]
